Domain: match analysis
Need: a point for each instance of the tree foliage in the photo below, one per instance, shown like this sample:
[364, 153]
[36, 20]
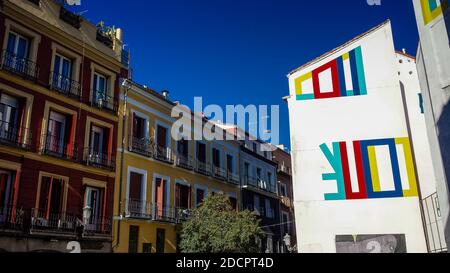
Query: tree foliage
[215, 227]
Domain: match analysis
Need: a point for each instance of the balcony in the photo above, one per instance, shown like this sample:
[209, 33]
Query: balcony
[219, 173]
[185, 162]
[56, 147]
[99, 159]
[164, 154]
[20, 66]
[104, 102]
[70, 18]
[11, 219]
[142, 146]
[65, 86]
[98, 228]
[287, 202]
[202, 168]
[43, 222]
[258, 184]
[284, 169]
[15, 136]
[233, 178]
[138, 209]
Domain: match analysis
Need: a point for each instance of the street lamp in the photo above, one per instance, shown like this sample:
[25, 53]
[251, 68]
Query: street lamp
[87, 211]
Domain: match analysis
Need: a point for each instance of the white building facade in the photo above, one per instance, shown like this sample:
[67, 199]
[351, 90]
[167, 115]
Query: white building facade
[356, 180]
[433, 21]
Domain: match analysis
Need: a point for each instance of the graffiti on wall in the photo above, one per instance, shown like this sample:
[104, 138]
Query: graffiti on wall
[391, 243]
[431, 9]
[382, 168]
[341, 77]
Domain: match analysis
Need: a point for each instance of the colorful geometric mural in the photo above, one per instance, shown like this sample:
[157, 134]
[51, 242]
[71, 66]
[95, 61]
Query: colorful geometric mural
[431, 9]
[368, 169]
[341, 77]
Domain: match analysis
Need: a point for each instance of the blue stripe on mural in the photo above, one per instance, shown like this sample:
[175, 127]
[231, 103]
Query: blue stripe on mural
[398, 192]
[305, 97]
[361, 72]
[341, 73]
[354, 68]
[335, 161]
[433, 5]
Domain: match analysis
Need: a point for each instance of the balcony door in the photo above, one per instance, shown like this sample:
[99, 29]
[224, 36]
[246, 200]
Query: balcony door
[201, 152]
[136, 193]
[182, 196]
[139, 127]
[56, 133]
[183, 148]
[100, 88]
[17, 52]
[62, 73]
[6, 194]
[51, 198]
[94, 200]
[98, 144]
[160, 198]
[216, 157]
[162, 142]
[9, 115]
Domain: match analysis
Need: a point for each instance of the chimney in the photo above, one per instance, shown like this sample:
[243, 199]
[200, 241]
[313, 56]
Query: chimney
[165, 94]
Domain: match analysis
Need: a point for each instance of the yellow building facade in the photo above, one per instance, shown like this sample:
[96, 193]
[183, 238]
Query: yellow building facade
[160, 179]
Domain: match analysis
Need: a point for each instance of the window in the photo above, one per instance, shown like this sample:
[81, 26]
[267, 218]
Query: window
[6, 192]
[200, 195]
[258, 174]
[161, 138]
[160, 240]
[182, 196]
[283, 190]
[51, 197]
[94, 199]
[9, 117]
[183, 148]
[233, 202]
[246, 170]
[100, 88]
[163, 151]
[139, 127]
[255, 147]
[201, 152]
[58, 133]
[99, 140]
[230, 164]
[133, 239]
[286, 224]
[136, 187]
[17, 52]
[62, 74]
[160, 198]
[269, 209]
[256, 205]
[216, 157]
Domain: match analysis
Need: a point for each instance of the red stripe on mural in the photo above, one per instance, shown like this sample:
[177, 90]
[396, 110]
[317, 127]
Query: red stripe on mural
[346, 171]
[335, 93]
[360, 172]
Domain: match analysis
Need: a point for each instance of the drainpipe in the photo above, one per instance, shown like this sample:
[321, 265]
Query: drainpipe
[127, 87]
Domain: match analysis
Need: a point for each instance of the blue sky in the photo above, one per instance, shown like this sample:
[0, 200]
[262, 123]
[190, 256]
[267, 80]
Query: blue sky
[240, 51]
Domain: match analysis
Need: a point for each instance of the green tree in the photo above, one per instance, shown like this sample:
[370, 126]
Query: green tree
[215, 227]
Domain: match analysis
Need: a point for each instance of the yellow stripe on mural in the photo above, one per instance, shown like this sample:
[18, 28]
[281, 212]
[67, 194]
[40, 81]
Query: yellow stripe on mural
[346, 56]
[299, 81]
[374, 169]
[428, 15]
[412, 180]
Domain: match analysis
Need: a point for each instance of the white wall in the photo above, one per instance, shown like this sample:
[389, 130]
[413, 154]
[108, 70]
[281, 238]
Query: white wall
[377, 115]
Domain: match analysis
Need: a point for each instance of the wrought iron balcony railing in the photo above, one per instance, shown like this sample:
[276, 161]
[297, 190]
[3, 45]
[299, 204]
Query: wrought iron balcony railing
[139, 209]
[44, 221]
[57, 147]
[104, 102]
[219, 173]
[164, 154]
[65, 86]
[13, 135]
[11, 218]
[185, 162]
[98, 227]
[202, 168]
[142, 146]
[257, 183]
[20, 66]
[99, 159]
[233, 178]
